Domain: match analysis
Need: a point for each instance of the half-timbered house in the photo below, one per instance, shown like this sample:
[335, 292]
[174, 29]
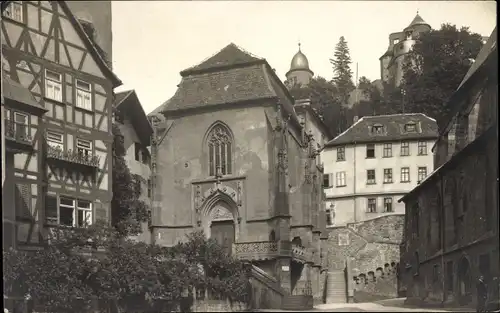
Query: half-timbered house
[58, 100]
[136, 131]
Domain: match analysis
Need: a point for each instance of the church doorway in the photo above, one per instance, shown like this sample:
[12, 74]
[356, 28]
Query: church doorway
[223, 232]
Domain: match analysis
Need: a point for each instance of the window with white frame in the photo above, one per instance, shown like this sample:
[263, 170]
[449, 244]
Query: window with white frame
[387, 150]
[371, 205]
[83, 95]
[405, 148]
[14, 11]
[405, 174]
[370, 177]
[68, 211]
[340, 179]
[84, 147]
[21, 125]
[55, 140]
[422, 173]
[388, 204]
[340, 154]
[387, 175]
[53, 85]
[422, 148]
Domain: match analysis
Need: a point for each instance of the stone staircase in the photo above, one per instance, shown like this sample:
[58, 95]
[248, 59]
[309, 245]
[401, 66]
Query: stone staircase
[336, 287]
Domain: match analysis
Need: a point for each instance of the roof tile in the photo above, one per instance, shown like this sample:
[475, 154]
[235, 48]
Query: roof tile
[361, 132]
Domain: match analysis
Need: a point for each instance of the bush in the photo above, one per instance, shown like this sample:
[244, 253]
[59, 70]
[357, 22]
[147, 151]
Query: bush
[84, 264]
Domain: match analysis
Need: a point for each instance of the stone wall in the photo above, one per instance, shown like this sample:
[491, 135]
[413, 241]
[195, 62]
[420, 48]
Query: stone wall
[367, 246]
[380, 283]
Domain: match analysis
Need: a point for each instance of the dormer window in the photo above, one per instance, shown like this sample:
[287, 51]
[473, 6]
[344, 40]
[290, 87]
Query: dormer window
[377, 129]
[410, 128]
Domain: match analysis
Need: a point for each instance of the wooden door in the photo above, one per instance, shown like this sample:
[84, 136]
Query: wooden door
[223, 233]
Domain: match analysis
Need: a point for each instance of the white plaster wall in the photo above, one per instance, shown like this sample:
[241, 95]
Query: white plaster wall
[351, 201]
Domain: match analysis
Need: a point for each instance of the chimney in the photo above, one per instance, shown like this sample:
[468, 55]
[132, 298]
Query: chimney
[355, 119]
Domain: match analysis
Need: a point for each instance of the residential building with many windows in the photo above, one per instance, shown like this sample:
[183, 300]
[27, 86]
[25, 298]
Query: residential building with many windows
[373, 163]
[58, 94]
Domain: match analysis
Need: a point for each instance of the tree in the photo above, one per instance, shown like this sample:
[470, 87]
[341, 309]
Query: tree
[436, 66]
[127, 211]
[341, 63]
[324, 99]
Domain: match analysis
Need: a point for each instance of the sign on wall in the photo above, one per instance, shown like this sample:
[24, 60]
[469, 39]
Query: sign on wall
[285, 268]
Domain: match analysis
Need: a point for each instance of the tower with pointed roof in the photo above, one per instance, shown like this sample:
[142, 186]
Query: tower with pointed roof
[299, 72]
[400, 43]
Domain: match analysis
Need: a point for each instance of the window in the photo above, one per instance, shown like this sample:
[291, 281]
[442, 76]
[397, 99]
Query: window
[388, 205]
[405, 148]
[422, 173]
[387, 175]
[435, 273]
[150, 188]
[137, 150]
[219, 151]
[372, 205]
[408, 34]
[422, 148]
[387, 150]
[53, 85]
[68, 211]
[370, 151]
[83, 95]
[20, 126]
[14, 11]
[340, 154]
[405, 174]
[395, 41]
[377, 129]
[340, 179]
[327, 180]
[449, 276]
[55, 140]
[370, 177]
[119, 116]
[84, 147]
[410, 128]
[330, 215]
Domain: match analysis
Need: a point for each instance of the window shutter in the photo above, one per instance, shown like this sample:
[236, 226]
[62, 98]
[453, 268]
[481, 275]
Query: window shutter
[330, 180]
[51, 212]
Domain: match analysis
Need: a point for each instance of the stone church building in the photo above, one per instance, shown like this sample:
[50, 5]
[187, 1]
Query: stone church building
[235, 156]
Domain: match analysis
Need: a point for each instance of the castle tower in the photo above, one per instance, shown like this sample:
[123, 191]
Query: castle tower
[299, 72]
[98, 15]
[400, 44]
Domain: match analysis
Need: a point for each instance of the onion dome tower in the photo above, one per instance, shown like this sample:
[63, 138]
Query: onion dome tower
[299, 72]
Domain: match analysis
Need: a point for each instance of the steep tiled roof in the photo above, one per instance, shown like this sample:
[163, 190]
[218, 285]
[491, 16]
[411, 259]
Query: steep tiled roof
[231, 55]
[232, 75]
[417, 20]
[361, 131]
[128, 103]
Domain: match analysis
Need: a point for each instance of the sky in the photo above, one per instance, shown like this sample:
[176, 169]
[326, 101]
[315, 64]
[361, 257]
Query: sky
[154, 40]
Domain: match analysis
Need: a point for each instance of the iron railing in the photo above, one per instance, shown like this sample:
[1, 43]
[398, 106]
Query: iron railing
[72, 156]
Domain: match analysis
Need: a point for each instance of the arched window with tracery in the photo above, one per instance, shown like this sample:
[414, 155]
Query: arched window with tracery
[219, 142]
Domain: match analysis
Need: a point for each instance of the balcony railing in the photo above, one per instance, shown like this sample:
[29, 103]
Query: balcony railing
[72, 156]
[17, 131]
[261, 250]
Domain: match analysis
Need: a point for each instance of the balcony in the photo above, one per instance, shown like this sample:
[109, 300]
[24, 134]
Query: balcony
[264, 250]
[72, 157]
[17, 137]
